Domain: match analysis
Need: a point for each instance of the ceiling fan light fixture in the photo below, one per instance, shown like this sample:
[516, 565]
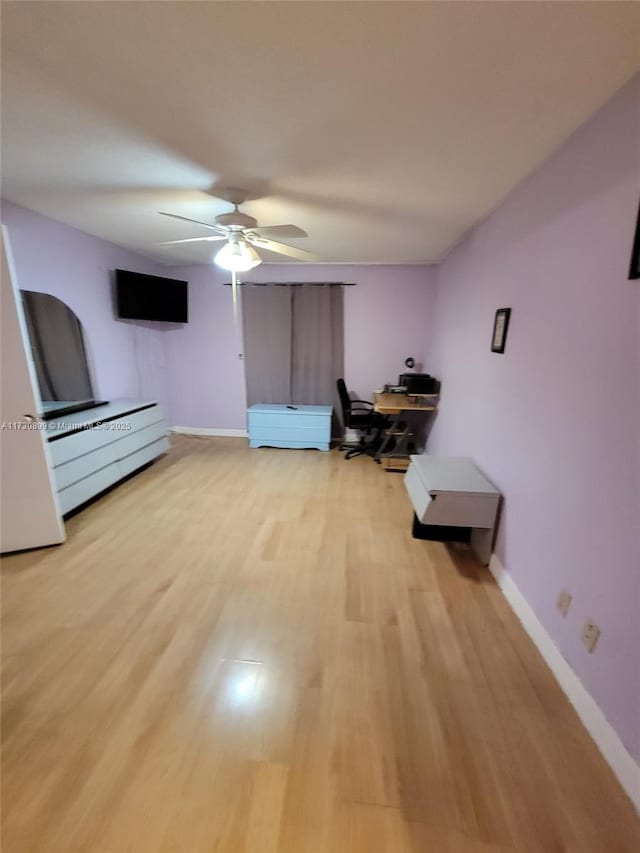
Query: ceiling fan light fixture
[237, 256]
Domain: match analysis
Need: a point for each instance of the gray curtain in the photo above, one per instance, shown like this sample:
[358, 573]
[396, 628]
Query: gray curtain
[293, 343]
[266, 321]
[57, 346]
[317, 351]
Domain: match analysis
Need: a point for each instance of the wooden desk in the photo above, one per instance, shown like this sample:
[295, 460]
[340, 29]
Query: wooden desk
[395, 404]
[394, 450]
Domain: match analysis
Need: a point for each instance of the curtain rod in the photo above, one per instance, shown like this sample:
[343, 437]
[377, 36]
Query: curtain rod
[293, 283]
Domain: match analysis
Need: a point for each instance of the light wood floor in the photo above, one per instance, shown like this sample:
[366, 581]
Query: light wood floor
[245, 651]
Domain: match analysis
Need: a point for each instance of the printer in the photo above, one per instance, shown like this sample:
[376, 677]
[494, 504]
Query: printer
[419, 383]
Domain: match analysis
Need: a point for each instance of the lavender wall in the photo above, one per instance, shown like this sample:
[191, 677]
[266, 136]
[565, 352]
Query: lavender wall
[205, 373]
[555, 421]
[386, 315]
[127, 358]
[194, 370]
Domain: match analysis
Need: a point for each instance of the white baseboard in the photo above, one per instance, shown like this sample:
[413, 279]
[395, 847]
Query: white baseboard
[604, 735]
[233, 433]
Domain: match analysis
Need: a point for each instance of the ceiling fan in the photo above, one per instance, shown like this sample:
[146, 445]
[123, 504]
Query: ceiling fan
[242, 235]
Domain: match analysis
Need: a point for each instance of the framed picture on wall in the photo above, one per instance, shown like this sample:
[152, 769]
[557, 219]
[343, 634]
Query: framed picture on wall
[634, 269]
[500, 326]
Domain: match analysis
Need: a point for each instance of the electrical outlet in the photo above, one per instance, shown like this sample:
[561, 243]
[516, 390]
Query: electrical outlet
[590, 635]
[564, 602]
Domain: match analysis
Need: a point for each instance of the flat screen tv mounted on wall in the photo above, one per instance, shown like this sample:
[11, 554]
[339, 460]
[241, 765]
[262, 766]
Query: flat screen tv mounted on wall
[151, 297]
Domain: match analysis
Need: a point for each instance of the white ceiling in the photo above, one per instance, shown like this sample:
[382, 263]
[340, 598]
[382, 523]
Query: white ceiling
[384, 129]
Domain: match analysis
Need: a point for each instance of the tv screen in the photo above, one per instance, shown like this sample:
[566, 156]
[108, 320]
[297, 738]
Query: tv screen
[150, 297]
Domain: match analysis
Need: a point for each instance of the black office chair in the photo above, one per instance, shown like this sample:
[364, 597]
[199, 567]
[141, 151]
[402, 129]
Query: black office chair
[359, 415]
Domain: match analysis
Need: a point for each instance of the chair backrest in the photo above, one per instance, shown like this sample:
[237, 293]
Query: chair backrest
[345, 401]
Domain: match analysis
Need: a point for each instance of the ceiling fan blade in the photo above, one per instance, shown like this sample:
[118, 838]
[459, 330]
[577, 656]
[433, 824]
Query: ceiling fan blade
[281, 248]
[192, 240]
[279, 231]
[196, 221]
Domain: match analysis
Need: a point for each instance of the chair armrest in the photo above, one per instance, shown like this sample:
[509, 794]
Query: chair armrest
[366, 402]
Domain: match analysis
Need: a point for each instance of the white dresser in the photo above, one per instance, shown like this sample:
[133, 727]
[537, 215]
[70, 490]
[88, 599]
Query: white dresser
[450, 491]
[92, 450]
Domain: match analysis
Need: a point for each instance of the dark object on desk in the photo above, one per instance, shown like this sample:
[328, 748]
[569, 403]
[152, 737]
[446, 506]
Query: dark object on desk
[419, 383]
[295, 408]
[359, 415]
[440, 532]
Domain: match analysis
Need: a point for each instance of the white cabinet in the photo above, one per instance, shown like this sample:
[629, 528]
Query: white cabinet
[450, 491]
[92, 450]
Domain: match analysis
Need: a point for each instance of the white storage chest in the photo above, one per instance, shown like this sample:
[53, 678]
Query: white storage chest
[281, 425]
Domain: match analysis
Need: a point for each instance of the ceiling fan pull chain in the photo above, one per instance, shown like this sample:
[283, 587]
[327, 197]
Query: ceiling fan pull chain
[234, 293]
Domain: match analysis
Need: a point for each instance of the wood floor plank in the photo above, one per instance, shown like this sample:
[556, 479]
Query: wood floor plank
[245, 651]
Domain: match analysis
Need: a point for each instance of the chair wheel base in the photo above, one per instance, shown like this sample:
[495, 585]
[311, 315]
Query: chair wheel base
[361, 449]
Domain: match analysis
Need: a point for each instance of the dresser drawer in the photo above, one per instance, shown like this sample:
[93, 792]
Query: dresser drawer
[139, 420]
[449, 508]
[82, 466]
[88, 440]
[80, 443]
[95, 481]
[420, 497]
[87, 488]
[142, 457]
[133, 442]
